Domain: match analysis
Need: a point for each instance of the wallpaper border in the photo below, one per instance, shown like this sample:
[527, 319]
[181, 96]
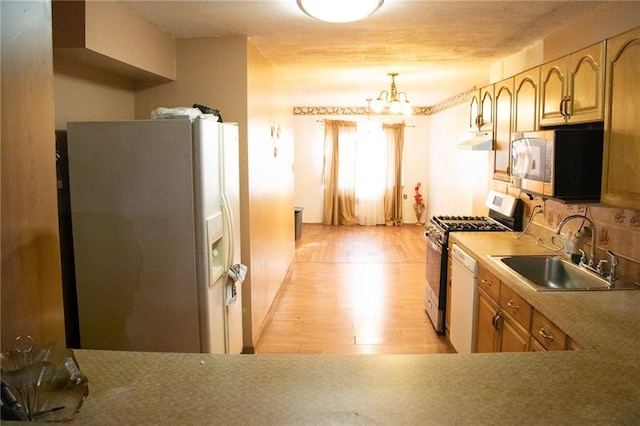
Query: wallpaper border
[351, 110]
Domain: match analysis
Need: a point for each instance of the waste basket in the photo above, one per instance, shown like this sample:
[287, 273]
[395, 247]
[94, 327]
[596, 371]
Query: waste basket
[297, 211]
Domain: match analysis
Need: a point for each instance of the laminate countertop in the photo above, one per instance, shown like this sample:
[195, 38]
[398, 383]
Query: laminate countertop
[600, 385]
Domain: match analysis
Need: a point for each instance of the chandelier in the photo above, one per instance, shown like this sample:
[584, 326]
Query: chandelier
[339, 10]
[396, 102]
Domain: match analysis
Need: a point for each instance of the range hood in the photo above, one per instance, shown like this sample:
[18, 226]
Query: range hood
[480, 141]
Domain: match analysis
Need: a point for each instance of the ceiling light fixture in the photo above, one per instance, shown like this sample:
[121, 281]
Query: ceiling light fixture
[396, 102]
[339, 10]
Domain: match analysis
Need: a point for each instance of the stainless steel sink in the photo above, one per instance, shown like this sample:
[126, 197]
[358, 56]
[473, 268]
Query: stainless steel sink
[546, 273]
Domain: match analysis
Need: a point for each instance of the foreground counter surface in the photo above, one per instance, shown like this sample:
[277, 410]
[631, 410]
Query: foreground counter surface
[596, 386]
[190, 389]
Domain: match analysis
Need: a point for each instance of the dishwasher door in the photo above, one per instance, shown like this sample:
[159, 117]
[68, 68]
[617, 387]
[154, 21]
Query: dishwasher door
[463, 301]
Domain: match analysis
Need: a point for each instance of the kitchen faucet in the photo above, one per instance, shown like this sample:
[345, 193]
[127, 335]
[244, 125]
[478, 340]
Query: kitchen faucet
[592, 260]
[588, 263]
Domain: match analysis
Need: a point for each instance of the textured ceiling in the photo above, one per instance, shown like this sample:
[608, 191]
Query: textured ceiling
[439, 48]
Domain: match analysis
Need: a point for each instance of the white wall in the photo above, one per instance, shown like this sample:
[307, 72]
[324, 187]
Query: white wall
[458, 179]
[308, 160]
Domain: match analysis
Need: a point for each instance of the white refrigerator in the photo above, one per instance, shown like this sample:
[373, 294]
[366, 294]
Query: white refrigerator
[155, 223]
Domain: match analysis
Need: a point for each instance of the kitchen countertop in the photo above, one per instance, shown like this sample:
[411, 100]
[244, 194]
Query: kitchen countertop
[606, 320]
[596, 386]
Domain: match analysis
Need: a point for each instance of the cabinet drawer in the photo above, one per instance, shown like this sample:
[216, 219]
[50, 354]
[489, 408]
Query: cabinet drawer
[514, 305]
[547, 333]
[489, 283]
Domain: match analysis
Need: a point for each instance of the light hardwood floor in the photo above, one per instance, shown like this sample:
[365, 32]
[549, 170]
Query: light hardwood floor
[354, 290]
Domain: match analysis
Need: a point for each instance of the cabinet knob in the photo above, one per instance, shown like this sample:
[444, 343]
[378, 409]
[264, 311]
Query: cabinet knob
[512, 305]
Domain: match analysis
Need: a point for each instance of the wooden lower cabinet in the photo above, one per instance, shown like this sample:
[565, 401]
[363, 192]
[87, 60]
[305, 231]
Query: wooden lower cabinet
[549, 335]
[447, 310]
[534, 346]
[487, 337]
[488, 283]
[508, 323]
[513, 337]
[515, 306]
[572, 345]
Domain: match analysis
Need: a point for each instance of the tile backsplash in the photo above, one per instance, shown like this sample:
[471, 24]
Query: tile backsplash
[617, 230]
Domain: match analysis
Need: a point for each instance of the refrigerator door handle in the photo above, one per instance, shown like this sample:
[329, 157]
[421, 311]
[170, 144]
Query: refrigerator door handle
[226, 205]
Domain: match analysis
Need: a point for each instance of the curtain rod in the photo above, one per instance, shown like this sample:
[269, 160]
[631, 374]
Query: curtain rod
[405, 125]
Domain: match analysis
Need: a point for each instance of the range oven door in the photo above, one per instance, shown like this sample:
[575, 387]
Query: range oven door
[433, 279]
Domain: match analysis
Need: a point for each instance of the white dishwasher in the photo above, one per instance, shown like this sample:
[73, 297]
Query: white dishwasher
[463, 301]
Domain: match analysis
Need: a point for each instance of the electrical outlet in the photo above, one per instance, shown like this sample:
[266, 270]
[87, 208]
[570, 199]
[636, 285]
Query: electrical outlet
[404, 196]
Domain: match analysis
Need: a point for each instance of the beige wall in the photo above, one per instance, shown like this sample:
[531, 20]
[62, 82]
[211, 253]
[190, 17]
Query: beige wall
[31, 277]
[210, 71]
[84, 93]
[108, 34]
[608, 20]
[230, 74]
[270, 241]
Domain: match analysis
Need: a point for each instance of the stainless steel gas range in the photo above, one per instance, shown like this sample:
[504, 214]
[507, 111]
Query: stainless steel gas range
[505, 214]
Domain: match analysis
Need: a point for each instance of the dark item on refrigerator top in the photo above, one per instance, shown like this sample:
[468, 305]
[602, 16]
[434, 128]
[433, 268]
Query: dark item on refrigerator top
[207, 110]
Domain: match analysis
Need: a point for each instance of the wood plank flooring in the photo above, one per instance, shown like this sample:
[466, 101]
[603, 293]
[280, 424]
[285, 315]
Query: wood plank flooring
[354, 290]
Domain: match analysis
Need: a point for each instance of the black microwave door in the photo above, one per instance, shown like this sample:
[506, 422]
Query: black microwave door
[578, 165]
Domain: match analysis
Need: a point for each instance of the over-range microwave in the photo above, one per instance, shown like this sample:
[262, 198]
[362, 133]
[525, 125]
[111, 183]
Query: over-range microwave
[563, 164]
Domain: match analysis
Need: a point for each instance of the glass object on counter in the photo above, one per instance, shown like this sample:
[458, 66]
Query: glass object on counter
[42, 384]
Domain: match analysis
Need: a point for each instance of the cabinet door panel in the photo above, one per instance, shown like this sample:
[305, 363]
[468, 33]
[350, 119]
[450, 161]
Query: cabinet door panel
[621, 168]
[553, 88]
[526, 101]
[586, 88]
[486, 333]
[514, 337]
[486, 107]
[474, 111]
[502, 133]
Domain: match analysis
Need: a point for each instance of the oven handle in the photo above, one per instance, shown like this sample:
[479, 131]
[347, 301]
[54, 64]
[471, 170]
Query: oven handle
[435, 244]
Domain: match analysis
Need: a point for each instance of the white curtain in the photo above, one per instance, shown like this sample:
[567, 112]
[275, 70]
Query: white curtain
[371, 159]
[363, 173]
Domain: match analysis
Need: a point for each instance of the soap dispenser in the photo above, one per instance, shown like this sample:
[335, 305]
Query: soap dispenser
[576, 245]
[568, 241]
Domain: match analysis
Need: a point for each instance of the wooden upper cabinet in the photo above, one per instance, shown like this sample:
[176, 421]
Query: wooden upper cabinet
[553, 91]
[481, 110]
[572, 88]
[621, 163]
[586, 85]
[525, 103]
[502, 127]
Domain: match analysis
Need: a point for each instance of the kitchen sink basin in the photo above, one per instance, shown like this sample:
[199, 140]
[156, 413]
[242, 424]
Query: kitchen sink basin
[546, 273]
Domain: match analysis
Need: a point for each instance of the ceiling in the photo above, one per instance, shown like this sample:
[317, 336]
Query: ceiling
[439, 48]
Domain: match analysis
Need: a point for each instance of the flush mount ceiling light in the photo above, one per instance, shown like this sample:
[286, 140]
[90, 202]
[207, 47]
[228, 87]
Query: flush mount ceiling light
[396, 102]
[339, 10]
